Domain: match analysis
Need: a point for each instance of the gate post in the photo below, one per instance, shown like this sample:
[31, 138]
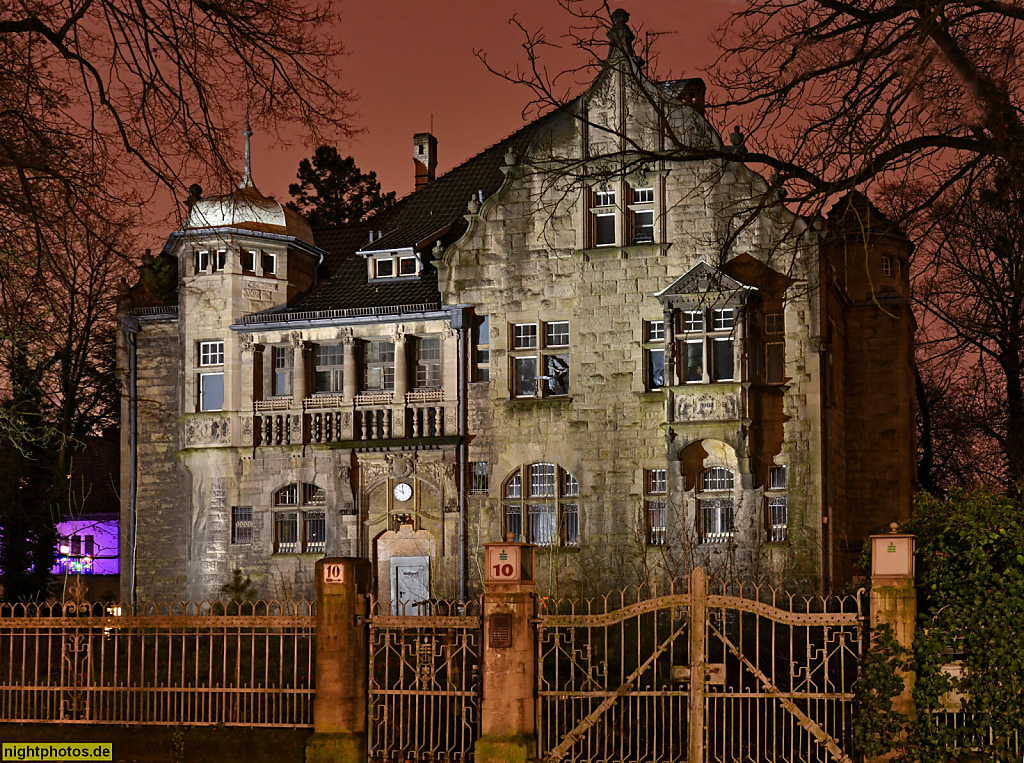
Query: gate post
[698, 658]
[342, 657]
[508, 732]
[894, 599]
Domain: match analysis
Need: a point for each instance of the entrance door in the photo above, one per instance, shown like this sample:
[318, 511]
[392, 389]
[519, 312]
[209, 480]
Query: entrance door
[410, 585]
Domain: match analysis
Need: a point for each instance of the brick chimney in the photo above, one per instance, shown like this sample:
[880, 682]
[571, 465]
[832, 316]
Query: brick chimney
[424, 156]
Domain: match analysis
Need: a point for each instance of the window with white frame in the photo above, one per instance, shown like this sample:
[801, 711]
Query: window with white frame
[654, 355]
[777, 505]
[428, 362]
[210, 379]
[706, 345]
[330, 365]
[602, 218]
[299, 526]
[284, 366]
[540, 504]
[206, 261]
[268, 262]
[540, 352]
[241, 525]
[656, 506]
[248, 261]
[379, 365]
[642, 212]
[715, 505]
[481, 348]
[394, 265]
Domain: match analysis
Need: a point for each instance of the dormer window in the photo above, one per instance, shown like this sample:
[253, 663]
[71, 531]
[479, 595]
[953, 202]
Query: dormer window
[394, 265]
[269, 261]
[383, 268]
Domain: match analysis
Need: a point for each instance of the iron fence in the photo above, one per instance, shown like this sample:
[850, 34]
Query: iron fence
[249, 664]
[424, 691]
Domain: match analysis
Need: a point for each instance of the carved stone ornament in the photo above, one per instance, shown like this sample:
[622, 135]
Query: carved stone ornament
[297, 341]
[347, 337]
[208, 431]
[399, 333]
[706, 407]
[246, 429]
[443, 475]
[372, 472]
[449, 332]
[246, 342]
[400, 466]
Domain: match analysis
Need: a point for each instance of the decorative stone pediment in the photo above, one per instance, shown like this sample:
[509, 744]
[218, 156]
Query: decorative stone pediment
[701, 279]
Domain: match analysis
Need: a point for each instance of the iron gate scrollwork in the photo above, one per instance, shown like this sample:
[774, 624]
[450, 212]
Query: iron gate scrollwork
[424, 684]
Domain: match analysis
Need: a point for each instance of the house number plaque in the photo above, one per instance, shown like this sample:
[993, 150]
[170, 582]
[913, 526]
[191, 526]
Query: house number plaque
[334, 573]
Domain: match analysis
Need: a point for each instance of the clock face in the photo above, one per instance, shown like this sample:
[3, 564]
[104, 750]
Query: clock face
[403, 491]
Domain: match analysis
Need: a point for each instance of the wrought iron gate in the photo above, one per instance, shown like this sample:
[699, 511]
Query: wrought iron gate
[744, 673]
[424, 688]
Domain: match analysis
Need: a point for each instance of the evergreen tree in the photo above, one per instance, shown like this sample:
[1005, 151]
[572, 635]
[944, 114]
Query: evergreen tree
[333, 191]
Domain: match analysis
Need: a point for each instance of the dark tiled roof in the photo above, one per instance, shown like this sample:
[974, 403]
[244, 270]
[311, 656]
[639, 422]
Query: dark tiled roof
[436, 211]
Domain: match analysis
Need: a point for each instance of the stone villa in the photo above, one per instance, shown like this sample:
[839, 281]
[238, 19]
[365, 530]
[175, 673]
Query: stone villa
[635, 363]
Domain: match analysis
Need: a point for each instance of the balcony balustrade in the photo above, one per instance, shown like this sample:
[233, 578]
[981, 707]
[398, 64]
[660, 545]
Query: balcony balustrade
[371, 416]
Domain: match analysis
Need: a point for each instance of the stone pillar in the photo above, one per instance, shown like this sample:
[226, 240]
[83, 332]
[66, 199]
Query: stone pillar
[342, 660]
[299, 374]
[507, 710]
[894, 599]
[401, 365]
[350, 382]
[698, 659]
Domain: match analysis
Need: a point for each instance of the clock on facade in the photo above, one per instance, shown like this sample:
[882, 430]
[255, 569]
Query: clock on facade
[403, 491]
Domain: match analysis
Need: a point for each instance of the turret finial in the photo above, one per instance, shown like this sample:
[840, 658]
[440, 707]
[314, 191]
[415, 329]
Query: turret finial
[247, 180]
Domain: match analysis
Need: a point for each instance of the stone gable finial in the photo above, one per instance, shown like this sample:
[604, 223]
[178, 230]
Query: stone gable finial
[620, 36]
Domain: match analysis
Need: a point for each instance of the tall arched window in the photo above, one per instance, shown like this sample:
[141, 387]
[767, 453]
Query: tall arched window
[715, 507]
[299, 526]
[540, 504]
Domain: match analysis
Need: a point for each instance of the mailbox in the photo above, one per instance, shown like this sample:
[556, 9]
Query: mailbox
[892, 556]
[508, 562]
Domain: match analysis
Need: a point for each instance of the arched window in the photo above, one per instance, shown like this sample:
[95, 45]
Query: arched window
[299, 527]
[540, 505]
[715, 521]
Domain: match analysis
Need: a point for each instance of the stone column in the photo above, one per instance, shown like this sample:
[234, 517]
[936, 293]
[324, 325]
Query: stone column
[698, 659]
[351, 372]
[401, 365]
[894, 599]
[507, 710]
[299, 375]
[342, 662]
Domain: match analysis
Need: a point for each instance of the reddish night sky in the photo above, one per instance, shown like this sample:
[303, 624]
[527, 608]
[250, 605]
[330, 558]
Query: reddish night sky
[408, 60]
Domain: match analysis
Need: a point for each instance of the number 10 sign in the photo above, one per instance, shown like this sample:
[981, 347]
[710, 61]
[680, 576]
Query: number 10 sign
[503, 563]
